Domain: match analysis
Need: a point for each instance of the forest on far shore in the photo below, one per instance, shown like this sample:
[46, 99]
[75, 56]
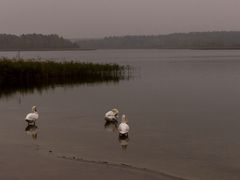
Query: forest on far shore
[192, 40]
[34, 42]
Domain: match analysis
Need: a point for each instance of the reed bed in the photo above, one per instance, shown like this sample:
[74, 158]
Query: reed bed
[29, 74]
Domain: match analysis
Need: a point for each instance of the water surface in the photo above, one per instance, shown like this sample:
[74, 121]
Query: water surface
[182, 106]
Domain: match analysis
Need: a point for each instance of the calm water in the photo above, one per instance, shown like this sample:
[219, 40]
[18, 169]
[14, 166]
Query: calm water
[183, 108]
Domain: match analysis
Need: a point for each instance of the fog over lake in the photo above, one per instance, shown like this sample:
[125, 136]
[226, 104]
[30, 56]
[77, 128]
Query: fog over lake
[99, 18]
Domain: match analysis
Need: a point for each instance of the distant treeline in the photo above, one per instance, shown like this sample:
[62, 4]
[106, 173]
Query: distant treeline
[193, 40]
[34, 42]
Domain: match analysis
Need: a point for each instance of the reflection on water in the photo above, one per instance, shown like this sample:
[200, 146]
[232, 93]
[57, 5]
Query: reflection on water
[7, 91]
[123, 140]
[32, 130]
[111, 126]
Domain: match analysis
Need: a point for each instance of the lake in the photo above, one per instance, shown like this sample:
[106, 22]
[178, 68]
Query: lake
[182, 106]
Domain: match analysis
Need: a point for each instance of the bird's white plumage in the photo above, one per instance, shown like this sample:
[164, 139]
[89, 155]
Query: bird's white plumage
[123, 127]
[111, 115]
[33, 116]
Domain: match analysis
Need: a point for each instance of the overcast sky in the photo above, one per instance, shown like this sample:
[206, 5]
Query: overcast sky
[99, 18]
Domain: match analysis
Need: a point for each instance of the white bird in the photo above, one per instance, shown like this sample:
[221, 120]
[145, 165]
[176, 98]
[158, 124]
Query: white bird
[123, 127]
[112, 115]
[33, 116]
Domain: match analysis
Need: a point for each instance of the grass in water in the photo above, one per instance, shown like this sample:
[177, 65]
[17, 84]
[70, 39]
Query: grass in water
[23, 75]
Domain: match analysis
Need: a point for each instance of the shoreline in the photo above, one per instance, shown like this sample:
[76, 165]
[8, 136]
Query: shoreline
[32, 50]
[19, 50]
[20, 162]
[122, 166]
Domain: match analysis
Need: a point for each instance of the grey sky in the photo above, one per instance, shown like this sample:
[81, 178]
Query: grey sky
[98, 18]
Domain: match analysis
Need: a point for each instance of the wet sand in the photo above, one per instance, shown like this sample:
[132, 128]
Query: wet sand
[20, 162]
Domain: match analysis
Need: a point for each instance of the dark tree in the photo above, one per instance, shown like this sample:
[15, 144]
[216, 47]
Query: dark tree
[34, 42]
[194, 40]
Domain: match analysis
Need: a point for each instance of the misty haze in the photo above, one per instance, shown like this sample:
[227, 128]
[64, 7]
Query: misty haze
[131, 89]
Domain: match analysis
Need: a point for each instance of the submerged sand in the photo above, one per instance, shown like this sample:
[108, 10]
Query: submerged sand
[20, 162]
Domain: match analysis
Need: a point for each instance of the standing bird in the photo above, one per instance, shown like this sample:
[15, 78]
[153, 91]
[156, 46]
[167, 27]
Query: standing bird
[33, 116]
[123, 127]
[112, 115]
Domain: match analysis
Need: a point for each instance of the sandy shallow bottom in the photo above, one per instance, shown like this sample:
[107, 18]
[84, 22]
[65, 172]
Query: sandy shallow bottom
[18, 162]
